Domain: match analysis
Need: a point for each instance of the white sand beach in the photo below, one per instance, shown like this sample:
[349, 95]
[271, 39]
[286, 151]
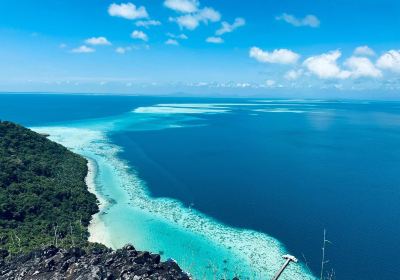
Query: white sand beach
[97, 229]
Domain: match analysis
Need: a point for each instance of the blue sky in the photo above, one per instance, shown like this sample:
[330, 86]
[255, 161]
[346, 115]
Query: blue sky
[200, 47]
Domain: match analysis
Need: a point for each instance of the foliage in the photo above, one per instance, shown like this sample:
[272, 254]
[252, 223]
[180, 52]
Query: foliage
[43, 196]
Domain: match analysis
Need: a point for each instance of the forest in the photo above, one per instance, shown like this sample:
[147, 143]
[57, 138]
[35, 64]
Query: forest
[43, 196]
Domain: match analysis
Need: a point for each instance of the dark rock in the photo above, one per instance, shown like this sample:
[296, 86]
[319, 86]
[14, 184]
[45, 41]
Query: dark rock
[142, 257]
[50, 251]
[141, 271]
[77, 252]
[155, 258]
[95, 261]
[129, 247]
[49, 264]
[3, 253]
[109, 261]
[97, 251]
[98, 263]
[64, 266]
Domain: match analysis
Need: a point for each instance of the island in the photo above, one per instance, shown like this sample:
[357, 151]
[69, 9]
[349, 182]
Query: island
[45, 210]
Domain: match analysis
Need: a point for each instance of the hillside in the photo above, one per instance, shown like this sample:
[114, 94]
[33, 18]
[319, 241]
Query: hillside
[43, 197]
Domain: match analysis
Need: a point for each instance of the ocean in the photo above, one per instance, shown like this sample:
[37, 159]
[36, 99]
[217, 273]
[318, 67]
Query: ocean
[227, 186]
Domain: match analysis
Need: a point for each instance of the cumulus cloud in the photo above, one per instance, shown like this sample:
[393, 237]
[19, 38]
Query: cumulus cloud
[329, 65]
[362, 67]
[127, 11]
[308, 20]
[192, 21]
[122, 50]
[294, 74]
[140, 35]
[214, 40]
[227, 28]
[182, 6]
[97, 41]
[280, 56]
[192, 14]
[390, 61]
[147, 23]
[189, 22]
[325, 66]
[364, 51]
[209, 14]
[172, 42]
[180, 36]
[83, 49]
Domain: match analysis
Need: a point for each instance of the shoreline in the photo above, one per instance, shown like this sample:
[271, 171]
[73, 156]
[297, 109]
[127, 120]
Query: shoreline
[98, 232]
[129, 214]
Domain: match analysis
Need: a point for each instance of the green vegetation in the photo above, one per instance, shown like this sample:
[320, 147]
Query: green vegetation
[43, 196]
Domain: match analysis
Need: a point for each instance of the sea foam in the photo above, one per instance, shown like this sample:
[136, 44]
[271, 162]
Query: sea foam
[191, 108]
[178, 110]
[280, 110]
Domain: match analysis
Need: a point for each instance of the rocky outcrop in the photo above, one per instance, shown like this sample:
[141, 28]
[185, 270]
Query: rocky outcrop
[98, 263]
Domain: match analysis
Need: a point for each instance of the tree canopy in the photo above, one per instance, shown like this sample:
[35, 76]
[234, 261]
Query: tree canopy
[43, 196]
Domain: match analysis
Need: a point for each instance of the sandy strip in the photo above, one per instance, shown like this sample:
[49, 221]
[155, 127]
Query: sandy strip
[97, 229]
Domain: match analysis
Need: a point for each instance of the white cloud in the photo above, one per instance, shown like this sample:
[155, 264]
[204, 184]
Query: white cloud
[97, 41]
[270, 83]
[182, 6]
[180, 36]
[308, 20]
[325, 66]
[120, 50]
[192, 21]
[147, 23]
[390, 61]
[227, 28]
[189, 22]
[280, 56]
[127, 11]
[172, 42]
[293, 74]
[209, 14]
[62, 46]
[364, 51]
[242, 85]
[362, 67]
[123, 50]
[214, 40]
[140, 35]
[83, 49]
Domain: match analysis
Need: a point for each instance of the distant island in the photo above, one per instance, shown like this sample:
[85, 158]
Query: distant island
[45, 210]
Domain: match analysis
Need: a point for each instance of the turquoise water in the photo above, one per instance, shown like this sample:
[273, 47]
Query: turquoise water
[203, 246]
[226, 186]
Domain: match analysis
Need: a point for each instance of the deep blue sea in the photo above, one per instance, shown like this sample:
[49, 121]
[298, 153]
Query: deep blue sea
[287, 168]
